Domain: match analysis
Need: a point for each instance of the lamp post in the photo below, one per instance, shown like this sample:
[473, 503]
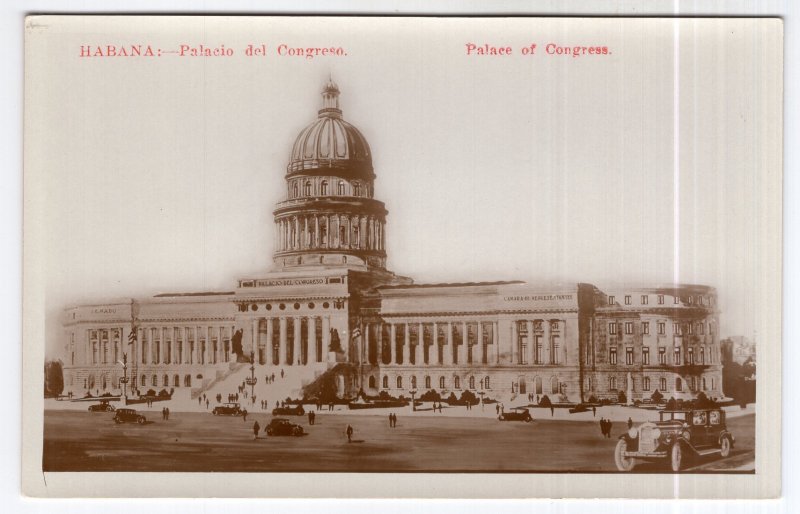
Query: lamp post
[251, 380]
[413, 393]
[481, 393]
[124, 379]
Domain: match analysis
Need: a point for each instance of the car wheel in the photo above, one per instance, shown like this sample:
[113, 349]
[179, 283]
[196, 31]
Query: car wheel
[90, 409]
[298, 431]
[109, 409]
[141, 420]
[117, 421]
[269, 432]
[502, 417]
[528, 419]
[725, 447]
[675, 457]
[623, 463]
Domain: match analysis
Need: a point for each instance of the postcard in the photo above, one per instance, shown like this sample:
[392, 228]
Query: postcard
[402, 257]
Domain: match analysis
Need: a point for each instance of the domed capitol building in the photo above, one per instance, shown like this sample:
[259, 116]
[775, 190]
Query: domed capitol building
[330, 310]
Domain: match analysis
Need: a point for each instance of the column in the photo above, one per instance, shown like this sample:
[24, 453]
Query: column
[306, 239]
[326, 336]
[462, 349]
[312, 339]
[269, 342]
[406, 346]
[392, 345]
[363, 230]
[282, 329]
[496, 341]
[433, 351]
[479, 358]
[514, 343]
[297, 354]
[365, 336]
[448, 350]
[419, 356]
[333, 234]
[328, 232]
[316, 232]
[546, 342]
[254, 325]
[531, 342]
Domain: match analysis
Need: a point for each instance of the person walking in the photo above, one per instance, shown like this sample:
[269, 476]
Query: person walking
[244, 415]
[311, 417]
[390, 420]
[281, 373]
[497, 408]
[207, 404]
[166, 411]
[603, 427]
[630, 423]
[552, 411]
[594, 411]
[256, 428]
[349, 432]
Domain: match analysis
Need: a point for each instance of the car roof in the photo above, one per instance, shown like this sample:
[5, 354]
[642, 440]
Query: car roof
[279, 419]
[126, 410]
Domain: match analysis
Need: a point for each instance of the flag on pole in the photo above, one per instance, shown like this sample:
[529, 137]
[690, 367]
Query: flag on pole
[356, 332]
[132, 336]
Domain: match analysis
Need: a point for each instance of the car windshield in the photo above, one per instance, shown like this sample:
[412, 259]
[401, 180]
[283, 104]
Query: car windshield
[714, 416]
[699, 418]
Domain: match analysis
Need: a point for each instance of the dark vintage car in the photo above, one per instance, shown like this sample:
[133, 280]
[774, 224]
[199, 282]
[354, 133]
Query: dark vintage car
[101, 407]
[676, 435]
[129, 416]
[289, 410]
[282, 426]
[228, 409]
[518, 414]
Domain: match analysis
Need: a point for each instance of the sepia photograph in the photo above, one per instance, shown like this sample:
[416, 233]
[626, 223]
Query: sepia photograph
[410, 249]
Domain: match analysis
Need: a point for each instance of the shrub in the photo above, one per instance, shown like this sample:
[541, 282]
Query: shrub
[452, 400]
[150, 392]
[163, 393]
[468, 397]
[545, 401]
[672, 404]
[657, 396]
[431, 396]
[621, 397]
[592, 399]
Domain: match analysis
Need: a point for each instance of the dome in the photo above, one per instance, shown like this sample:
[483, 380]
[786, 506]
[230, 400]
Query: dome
[330, 138]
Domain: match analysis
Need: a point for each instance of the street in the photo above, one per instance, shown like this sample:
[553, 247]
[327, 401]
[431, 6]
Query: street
[83, 441]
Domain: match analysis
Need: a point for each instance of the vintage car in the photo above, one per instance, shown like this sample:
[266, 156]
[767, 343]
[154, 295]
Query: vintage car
[129, 416]
[228, 409]
[101, 407]
[289, 410]
[282, 426]
[676, 435]
[518, 414]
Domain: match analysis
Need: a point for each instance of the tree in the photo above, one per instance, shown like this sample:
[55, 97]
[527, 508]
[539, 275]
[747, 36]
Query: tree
[336, 343]
[53, 378]
[621, 397]
[657, 396]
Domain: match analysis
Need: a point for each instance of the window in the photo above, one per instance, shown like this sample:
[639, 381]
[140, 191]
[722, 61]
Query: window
[399, 382]
[629, 355]
[472, 382]
[645, 299]
[441, 383]
[554, 385]
[646, 384]
[661, 299]
[678, 384]
[612, 328]
[693, 382]
[187, 381]
[646, 327]
[691, 355]
[677, 355]
[713, 383]
[629, 327]
[371, 382]
[356, 189]
[611, 300]
[691, 300]
[662, 384]
[612, 383]
[676, 328]
[702, 355]
[703, 381]
[165, 381]
[612, 356]
[294, 190]
[144, 380]
[676, 300]
[427, 382]
[323, 188]
[486, 383]
[627, 299]
[662, 328]
[413, 382]
[385, 382]
[307, 188]
[155, 381]
[340, 188]
[690, 328]
[701, 328]
[645, 355]
[457, 382]
[662, 355]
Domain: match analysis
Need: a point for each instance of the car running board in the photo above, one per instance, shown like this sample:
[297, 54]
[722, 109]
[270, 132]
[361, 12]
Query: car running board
[711, 451]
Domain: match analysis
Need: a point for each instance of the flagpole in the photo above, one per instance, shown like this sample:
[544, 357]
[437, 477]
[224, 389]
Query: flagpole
[132, 339]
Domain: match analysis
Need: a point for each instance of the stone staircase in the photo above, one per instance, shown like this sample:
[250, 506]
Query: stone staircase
[290, 386]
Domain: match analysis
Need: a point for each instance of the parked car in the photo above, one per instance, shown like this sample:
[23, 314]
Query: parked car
[676, 435]
[518, 414]
[282, 426]
[101, 407]
[289, 410]
[129, 416]
[228, 409]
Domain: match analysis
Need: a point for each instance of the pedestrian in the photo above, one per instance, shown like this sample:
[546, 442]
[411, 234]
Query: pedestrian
[497, 408]
[244, 415]
[207, 404]
[272, 378]
[630, 423]
[163, 414]
[349, 432]
[256, 428]
[552, 411]
[167, 412]
[282, 376]
[394, 420]
[440, 407]
[603, 427]
[311, 417]
[594, 411]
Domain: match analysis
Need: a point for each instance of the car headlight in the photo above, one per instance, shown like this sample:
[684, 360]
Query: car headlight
[656, 433]
[632, 433]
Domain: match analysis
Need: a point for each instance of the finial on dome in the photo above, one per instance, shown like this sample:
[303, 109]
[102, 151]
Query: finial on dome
[330, 95]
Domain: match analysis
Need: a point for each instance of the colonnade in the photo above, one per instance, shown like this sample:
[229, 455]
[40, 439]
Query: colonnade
[290, 340]
[333, 231]
[184, 345]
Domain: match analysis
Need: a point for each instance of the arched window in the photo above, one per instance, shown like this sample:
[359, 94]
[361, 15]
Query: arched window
[155, 381]
[457, 382]
[144, 380]
[399, 382]
[307, 188]
[441, 383]
[323, 188]
[340, 188]
[427, 382]
[356, 189]
[176, 381]
[537, 382]
[356, 237]
[662, 384]
[294, 190]
[385, 382]
[187, 380]
[704, 384]
[678, 384]
[166, 381]
[472, 382]
[372, 382]
[554, 385]
[486, 383]
[413, 382]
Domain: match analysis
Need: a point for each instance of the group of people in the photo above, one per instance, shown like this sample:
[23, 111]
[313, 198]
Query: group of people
[605, 427]
[437, 406]
[392, 420]
[165, 413]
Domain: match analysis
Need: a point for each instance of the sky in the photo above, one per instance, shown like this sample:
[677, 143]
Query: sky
[648, 165]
